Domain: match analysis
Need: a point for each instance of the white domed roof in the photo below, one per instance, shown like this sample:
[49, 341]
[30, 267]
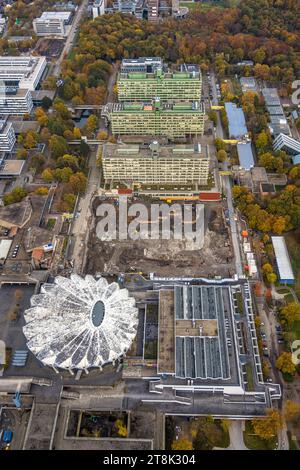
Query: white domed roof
[80, 323]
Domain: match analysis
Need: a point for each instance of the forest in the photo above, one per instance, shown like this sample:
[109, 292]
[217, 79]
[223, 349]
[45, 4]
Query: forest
[219, 37]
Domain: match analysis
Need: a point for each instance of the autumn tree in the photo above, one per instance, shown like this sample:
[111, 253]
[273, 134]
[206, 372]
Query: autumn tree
[182, 444]
[30, 140]
[91, 124]
[285, 364]
[262, 141]
[16, 195]
[41, 117]
[48, 175]
[76, 133]
[41, 191]
[291, 410]
[67, 160]
[78, 182]
[268, 427]
[120, 428]
[102, 135]
[290, 314]
[58, 146]
[222, 155]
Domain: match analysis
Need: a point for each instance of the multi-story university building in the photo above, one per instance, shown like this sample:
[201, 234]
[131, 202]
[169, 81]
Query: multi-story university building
[155, 164]
[17, 102]
[7, 135]
[52, 23]
[184, 84]
[173, 120]
[22, 71]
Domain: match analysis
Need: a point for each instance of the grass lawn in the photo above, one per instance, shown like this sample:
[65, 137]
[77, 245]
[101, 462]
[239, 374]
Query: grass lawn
[240, 303]
[296, 329]
[253, 442]
[250, 386]
[51, 223]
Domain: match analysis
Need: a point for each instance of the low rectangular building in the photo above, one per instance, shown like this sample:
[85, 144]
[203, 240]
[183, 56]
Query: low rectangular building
[245, 155]
[236, 121]
[155, 164]
[11, 168]
[248, 84]
[284, 267]
[52, 23]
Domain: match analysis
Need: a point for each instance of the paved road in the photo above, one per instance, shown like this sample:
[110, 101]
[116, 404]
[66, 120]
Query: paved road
[227, 189]
[70, 38]
[81, 226]
[236, 435]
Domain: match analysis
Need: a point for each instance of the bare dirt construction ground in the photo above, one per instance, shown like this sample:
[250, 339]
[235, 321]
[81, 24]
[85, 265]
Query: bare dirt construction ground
[50, 48]
[164, 257]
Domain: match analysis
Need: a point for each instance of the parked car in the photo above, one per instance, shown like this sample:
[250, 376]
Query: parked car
[7, 436]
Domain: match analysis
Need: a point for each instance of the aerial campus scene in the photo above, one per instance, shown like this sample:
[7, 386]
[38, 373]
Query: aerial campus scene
[149, 225]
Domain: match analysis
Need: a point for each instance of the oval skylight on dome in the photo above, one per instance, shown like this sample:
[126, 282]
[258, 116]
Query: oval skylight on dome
[78, 323]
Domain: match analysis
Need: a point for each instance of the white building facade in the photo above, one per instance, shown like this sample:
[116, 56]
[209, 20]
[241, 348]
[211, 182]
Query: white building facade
[52, 23]
[23, 71]
[7, 136]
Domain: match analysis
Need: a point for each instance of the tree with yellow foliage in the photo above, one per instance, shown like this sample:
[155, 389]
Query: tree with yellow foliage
[268, 427]
[182, 444]
[77, 133]
[120, 428]
[285, 364]
[290, 313]
[291, 410]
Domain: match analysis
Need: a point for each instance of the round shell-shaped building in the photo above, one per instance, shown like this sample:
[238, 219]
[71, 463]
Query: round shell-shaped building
[80, 323]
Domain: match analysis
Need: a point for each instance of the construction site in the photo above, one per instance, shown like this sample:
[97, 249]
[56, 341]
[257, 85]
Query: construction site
[164, 256]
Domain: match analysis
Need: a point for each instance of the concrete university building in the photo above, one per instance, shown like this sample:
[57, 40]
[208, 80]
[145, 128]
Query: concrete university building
[19, 76]
[183, 84]
[7, 135]
[173, 120]
[206, 344]
[156, 164]
[52, 23]
[23, 71]
[17, 103]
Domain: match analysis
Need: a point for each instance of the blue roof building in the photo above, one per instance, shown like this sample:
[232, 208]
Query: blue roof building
[245, 154]
[236, 121]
